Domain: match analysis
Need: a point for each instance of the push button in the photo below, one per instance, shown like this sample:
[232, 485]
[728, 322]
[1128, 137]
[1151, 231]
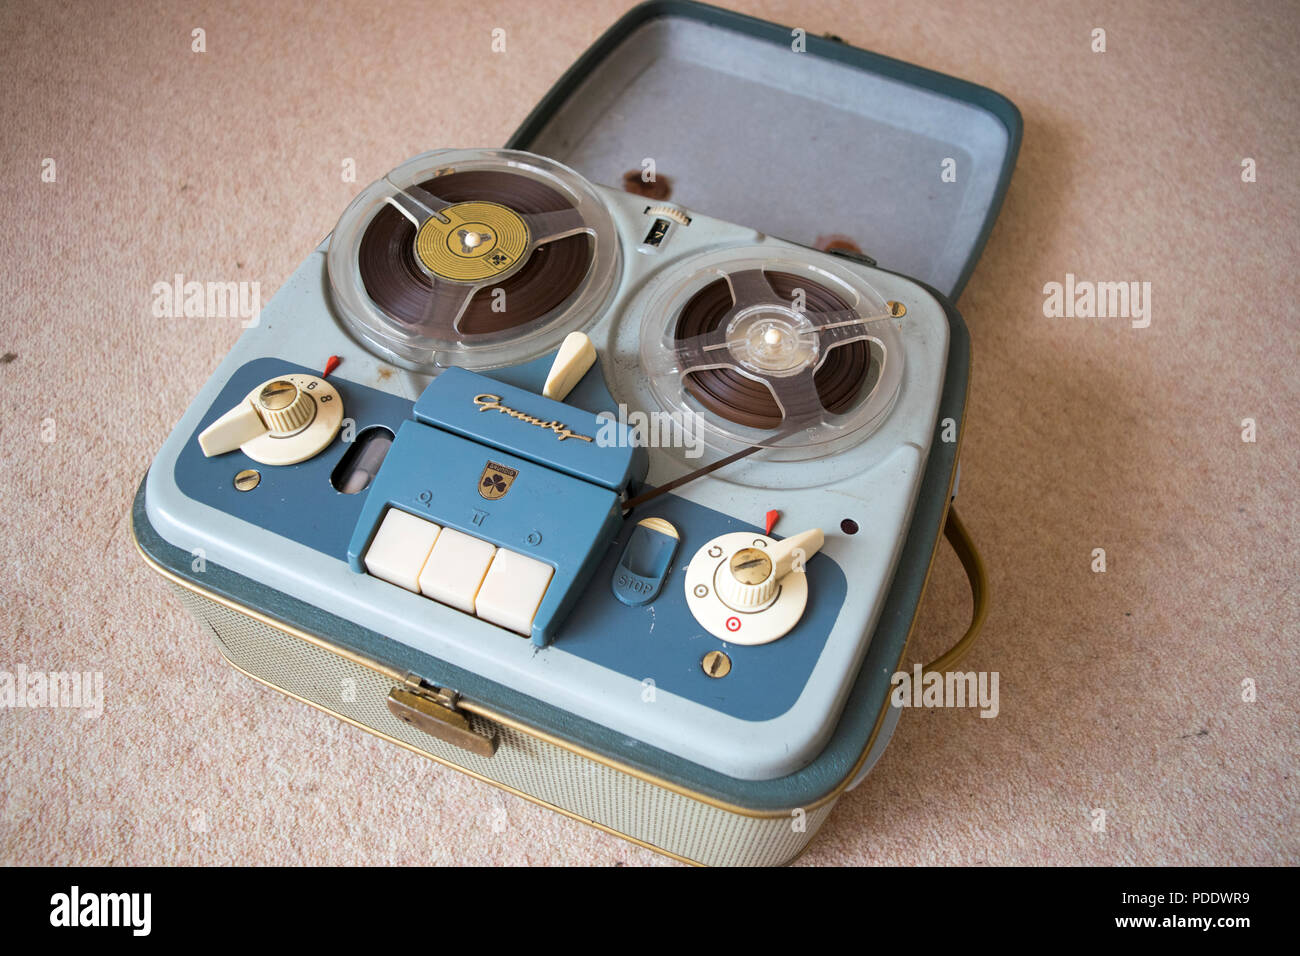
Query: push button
[644, 564]
[455, 569]
[512, 591]
[400, 548]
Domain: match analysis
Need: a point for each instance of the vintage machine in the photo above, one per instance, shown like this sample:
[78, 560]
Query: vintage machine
[584, 489]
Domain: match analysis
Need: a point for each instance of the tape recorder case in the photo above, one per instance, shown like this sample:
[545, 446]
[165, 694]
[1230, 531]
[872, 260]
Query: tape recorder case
[555, 464]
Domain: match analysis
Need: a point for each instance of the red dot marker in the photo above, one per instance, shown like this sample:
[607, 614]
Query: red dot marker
[771, 521]
[733, 623]
[331, 364]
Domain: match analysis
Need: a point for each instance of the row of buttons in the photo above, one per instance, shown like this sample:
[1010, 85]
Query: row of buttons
[459, 570]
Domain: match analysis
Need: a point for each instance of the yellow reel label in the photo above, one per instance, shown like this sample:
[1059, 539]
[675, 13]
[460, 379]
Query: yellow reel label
[478, 240]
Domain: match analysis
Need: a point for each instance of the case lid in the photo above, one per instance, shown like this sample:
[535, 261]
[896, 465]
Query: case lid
[829, 142]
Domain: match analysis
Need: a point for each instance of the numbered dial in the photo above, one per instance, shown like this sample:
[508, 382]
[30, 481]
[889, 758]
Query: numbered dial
[283, 421]
[750, 589]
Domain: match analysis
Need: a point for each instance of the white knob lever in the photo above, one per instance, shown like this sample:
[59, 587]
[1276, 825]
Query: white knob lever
[279, 407]
[576, 356]
[753, 576]
[281, 422]
[239, 425]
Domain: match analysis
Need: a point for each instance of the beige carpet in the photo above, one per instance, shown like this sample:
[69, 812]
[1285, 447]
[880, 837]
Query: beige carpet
[1120, 691]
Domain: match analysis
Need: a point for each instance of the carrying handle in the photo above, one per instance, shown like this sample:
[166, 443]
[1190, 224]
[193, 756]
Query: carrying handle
[973, 564]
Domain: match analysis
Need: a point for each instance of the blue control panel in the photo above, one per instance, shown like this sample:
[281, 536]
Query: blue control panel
[505, 465]
[617, 595]
[298, 502]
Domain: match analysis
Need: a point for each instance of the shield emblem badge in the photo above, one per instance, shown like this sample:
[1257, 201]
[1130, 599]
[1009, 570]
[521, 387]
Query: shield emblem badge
[496, 481]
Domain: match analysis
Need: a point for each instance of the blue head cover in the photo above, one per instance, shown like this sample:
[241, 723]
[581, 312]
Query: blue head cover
[560, 436]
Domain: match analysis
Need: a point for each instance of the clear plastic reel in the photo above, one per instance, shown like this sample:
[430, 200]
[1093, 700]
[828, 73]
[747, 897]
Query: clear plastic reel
[414, 347]
[768, 340]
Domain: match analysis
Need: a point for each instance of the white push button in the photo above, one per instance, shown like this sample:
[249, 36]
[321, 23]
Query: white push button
[400, 548]
[512, 591]
[455, 569]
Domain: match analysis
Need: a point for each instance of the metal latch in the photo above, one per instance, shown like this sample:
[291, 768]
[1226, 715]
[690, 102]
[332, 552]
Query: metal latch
[433, 710]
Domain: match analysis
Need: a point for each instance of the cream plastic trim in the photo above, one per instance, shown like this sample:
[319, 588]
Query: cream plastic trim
[574, 359]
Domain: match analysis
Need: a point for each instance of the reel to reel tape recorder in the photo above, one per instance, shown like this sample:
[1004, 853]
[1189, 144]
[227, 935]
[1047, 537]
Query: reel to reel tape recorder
[583, 451]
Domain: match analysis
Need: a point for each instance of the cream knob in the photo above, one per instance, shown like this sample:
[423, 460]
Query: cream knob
[751, 576]
[746, 581]
[284, 407]
[281, 422]
[575, 357]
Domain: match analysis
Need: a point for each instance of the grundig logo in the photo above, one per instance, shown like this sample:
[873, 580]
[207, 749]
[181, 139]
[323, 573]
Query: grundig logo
[488, 403]
[496, 481]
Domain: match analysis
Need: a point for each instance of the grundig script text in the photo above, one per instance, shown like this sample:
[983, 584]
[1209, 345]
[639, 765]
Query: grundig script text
[489, 403]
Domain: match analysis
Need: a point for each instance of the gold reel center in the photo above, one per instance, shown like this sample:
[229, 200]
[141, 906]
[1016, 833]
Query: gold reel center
[471, 242]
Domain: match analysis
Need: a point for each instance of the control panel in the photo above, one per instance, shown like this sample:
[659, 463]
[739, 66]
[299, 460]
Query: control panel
[484, 497]
[497, 501]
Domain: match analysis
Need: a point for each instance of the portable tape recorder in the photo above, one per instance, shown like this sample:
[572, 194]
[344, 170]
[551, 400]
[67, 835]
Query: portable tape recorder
[648, 467]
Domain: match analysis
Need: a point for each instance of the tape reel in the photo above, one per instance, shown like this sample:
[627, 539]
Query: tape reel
[785, 351]
[475, 258]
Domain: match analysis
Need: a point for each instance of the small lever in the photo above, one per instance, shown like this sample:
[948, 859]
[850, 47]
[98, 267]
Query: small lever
[237, 427]
[801, 546]
[576, 356]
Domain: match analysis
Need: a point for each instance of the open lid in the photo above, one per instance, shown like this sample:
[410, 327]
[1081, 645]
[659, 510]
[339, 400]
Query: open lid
[829, 142]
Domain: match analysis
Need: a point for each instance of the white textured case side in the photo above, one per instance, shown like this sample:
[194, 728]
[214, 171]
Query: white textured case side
[664, 820]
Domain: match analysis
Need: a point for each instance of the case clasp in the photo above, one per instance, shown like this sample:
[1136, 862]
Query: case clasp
[432, 710]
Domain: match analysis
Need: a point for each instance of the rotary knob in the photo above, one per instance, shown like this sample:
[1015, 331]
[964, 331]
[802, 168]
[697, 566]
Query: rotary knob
[746, 582]
[748, 589]
[752, 576]
[281, 422]
[284, 407]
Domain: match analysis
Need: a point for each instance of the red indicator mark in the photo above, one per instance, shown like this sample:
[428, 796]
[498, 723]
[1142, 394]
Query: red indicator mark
[733, 624]
[772, 517]
[330, 365]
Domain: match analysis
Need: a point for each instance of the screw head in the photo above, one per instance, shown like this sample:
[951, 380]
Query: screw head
[716, 664]
[750, 566]
[248, 479]
[897, 309]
